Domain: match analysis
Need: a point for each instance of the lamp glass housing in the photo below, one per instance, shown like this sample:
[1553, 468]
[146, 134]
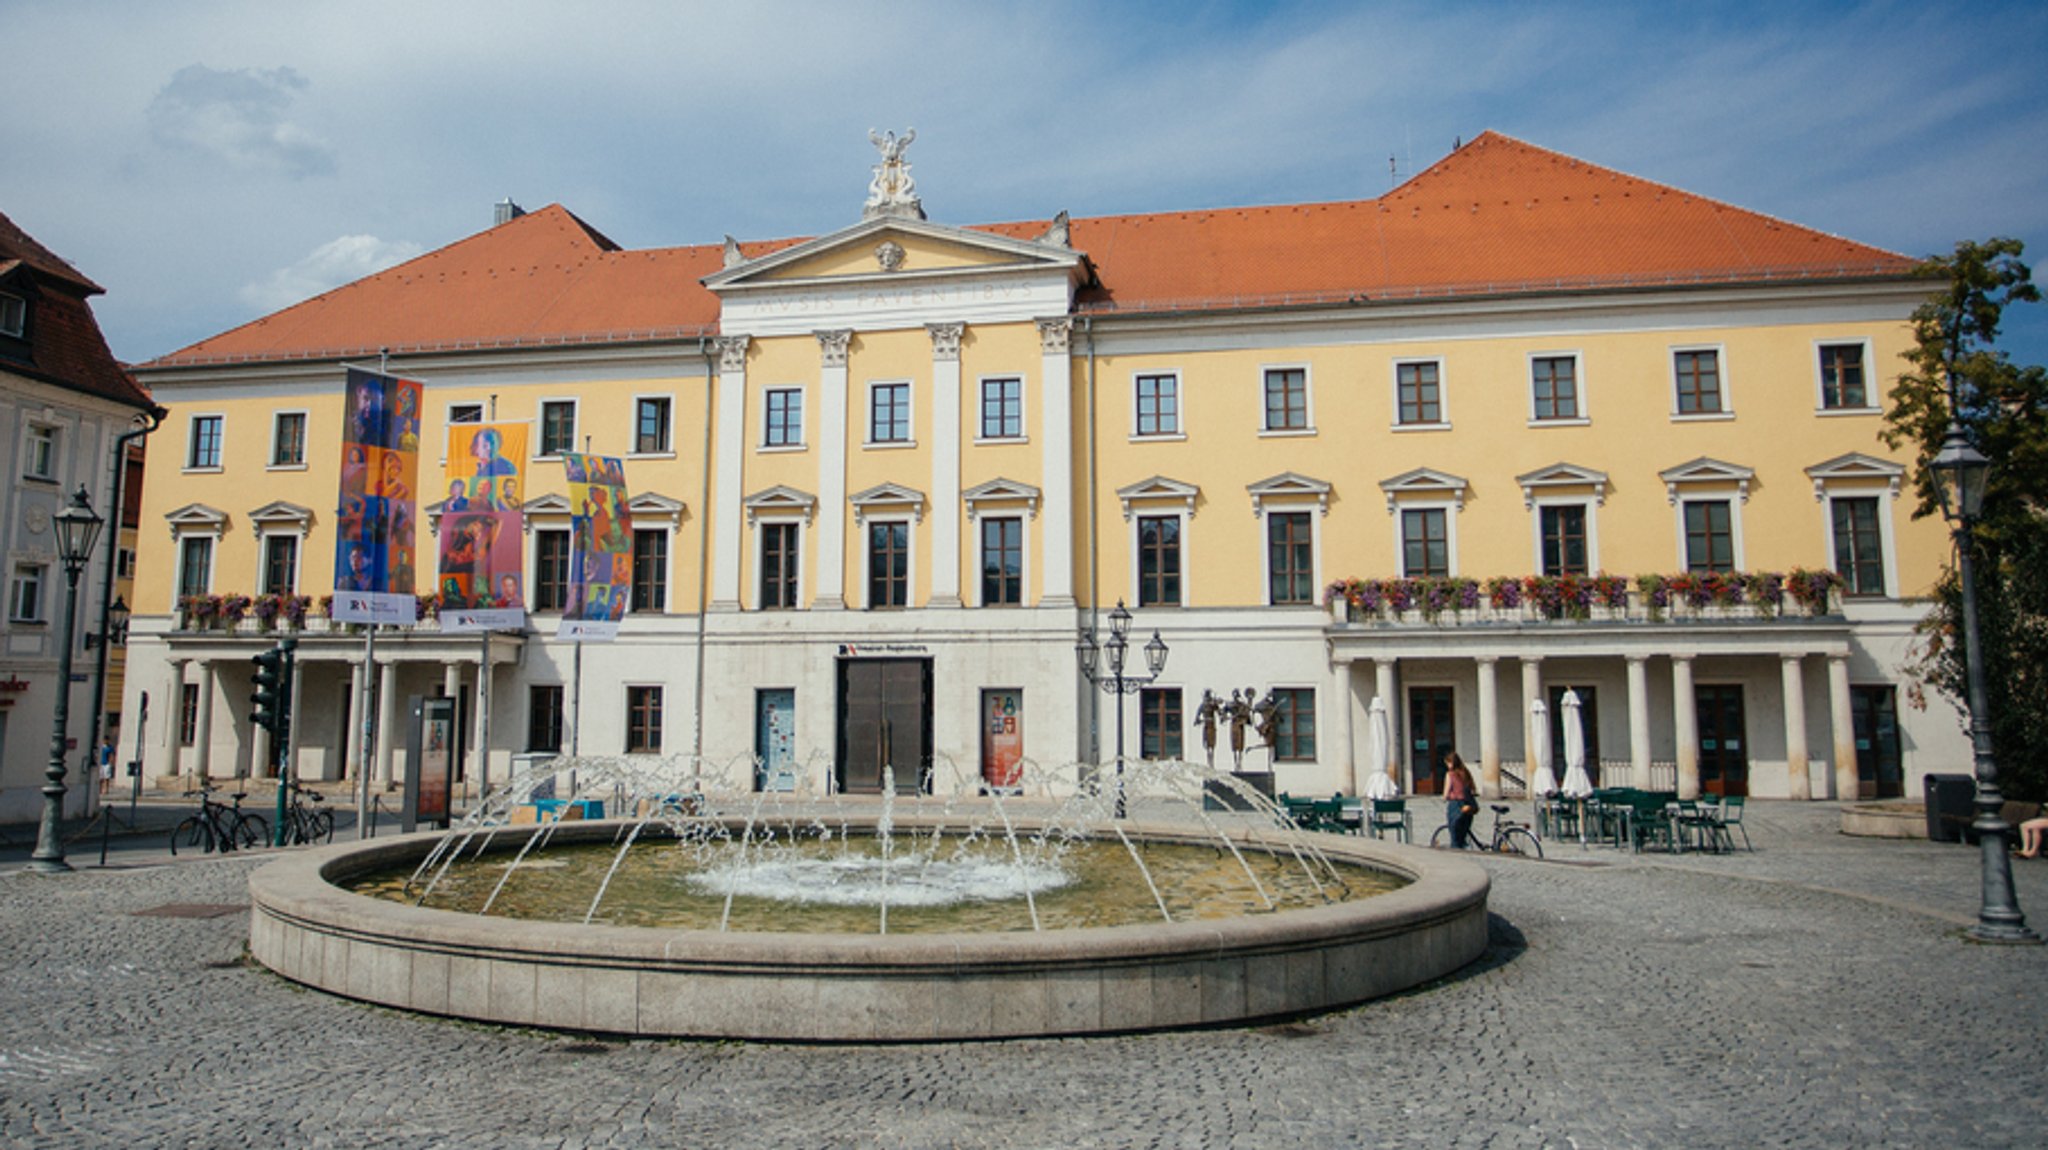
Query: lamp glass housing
[1961, 474]
[77, 527]
[1155, 655]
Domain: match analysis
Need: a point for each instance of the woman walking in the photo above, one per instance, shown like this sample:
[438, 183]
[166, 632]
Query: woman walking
[1461, 799]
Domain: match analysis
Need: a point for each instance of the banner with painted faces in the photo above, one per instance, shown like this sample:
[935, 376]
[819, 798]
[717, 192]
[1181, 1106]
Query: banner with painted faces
[375, 556]
[482, 528]
[600, 547]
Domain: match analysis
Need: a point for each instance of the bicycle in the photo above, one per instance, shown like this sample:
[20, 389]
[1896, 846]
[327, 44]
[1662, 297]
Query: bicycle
[307, 822]
[1509, 837]
[218, 827]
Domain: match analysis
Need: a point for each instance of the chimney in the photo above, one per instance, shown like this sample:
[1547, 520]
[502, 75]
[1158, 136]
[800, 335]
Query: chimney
[505, 211]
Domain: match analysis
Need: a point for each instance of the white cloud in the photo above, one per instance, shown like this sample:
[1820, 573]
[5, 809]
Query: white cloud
[330, 265]
[239, 117]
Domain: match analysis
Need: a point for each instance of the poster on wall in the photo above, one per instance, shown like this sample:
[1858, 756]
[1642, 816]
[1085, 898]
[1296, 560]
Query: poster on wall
[375, 558]
[600, 548]
[1002, 740]
[483, 563]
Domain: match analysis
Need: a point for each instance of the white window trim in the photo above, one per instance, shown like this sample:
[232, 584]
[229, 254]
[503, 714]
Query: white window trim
[14, 585]
[483, 412]
[1873, 405]
[1734, 500]
[1585, 406]
[752, 590]
[178, 541]
[191, 438]
[1721, 370]
[1280, 505]
[540, 424]
[1887, 504]
[803, 407]
[1023, 407]
[867, 560]
[1443, 394]
[270, 462]
[1186, 516]
[1024, 520]
[1180, 406]
[626, 690]
[1451, 508]
[1592, 507]
[668, 433]
[532, 562]
[28, 435]
[868, 440]
[1308, 397]
[263, 538]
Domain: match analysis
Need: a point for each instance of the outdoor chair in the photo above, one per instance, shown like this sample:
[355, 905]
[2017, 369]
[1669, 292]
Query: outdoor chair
[1650, 822]
[1731, 818]
[1390, 815]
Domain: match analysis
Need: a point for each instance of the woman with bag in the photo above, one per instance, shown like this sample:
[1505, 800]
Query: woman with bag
[1461, 799]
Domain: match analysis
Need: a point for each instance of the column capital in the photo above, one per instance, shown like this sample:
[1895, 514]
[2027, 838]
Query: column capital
[1487, 660]
[1684, 657]
[1636, 659]
[945, 341]
[732, 352]
[832, 347]
[1055, 335]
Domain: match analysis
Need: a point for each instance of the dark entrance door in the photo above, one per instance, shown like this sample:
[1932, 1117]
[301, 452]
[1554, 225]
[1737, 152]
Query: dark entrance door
[1878, 770]
[1724, 751]
[1432, 730]
[885, 719]
[1589, 723]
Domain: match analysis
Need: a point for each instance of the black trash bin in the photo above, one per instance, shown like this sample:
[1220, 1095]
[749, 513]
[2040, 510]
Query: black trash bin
[1950, 808]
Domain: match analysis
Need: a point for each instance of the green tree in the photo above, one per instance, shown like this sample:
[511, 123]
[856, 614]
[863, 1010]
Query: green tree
[1956, 371]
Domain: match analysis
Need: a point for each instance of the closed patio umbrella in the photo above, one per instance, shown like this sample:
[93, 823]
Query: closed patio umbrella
[1379, 779]
[1577, 783]
[1541, 780]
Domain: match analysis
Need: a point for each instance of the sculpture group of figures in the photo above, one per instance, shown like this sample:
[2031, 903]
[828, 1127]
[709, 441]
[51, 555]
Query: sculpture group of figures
[1241, 714]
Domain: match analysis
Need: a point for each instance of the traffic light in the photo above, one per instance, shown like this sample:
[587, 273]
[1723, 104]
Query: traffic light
[272, 699]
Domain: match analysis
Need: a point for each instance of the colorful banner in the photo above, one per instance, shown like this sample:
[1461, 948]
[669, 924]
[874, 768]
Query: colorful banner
[374, 553]
[482, 581]
[600, 548]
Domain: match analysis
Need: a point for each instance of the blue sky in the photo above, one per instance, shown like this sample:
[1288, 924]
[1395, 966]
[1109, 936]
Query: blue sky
[213, 160]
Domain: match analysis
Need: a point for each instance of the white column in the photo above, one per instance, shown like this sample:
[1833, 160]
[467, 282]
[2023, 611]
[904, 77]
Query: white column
[202, 734]
[352, 733]
[729, 453]
[1347, 732]
[1532, 690]
[1639, 720]
[829, 556]
[1843, 718]
[1056, 425]
[1685, 724]
[387, 720]
[1384, 687]
[1799, 776]
[1489, 726]
[172, 717]
[946, 448]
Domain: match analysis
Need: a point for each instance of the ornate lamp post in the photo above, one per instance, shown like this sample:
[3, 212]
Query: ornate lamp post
[1117, 683]
[1960, 474]
[77, 526]
[117, 622]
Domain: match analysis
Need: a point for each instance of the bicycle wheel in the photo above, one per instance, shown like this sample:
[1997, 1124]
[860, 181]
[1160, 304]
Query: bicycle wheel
[190, 833]
[1518, 841]
[1441, 839]
[250, 831]
[323, 826]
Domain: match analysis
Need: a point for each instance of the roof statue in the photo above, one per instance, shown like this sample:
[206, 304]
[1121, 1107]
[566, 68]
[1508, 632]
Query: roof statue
[892, 192]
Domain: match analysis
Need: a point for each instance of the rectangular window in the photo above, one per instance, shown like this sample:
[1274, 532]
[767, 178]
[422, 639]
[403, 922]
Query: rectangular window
[1425, 543]
[785, 425]
[195, 565]
[1564, 540]
[188, 714]
[1286, 399]
[42, 452]
[778, 565]
[1420, 392]
[643, 720]
[650, 572]
[1290, 559]
[1158, 405]
[1859, 549]
[557, 426]
[650, 425]
[888, 565]
[203, 449]
[280, 564]
[1159, 723]
[13, 315]
[1556, 380]
[27, 605]
[889, 413]
[465, 413]
[1841, 376]
[288, 439]
[1002, 562]
[1709, 537]
[544, 718]
[1158, 561]
[1699, 382]
[550, 570]
[124, 563]
[1002, 409]
[1296, 740]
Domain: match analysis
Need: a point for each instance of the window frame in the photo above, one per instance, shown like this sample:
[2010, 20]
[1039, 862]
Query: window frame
[188, 714]
[545, 720]
[1442, 422]
[1137, 408]
[650, 597]
[1887, 561]
[29, 579]
[1734, 506]
[1450, 510]
[1023, 578]
[1171, 705]
[277, 422]
[639, 739]
[981, 432]
[537, 585]
[192, 441]
[1870, 405]
[768, 422]
[1180, 549]
[909, 558]
[1587, 507]
[666, 446]
[1581, 413]
[793, 579]
[1309, 517]
[13, 315]
[1308, 400]
[185, 542]
[540, 427]
[39, 432]
[1286, 744]
[1723, 385]
[909, 418]
[265, 559]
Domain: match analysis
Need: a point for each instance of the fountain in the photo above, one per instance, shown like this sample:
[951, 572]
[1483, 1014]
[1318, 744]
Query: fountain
[713, 910]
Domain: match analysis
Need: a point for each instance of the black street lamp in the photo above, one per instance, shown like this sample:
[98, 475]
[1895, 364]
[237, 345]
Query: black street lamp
[1960, 475]
[1118, 683]
[117, 622]
[76, 527]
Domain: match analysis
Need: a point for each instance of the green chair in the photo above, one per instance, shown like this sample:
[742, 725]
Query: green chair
[1731, 818]
[1390, 815]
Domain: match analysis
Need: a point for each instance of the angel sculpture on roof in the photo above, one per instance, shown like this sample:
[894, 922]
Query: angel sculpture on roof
[892, 191]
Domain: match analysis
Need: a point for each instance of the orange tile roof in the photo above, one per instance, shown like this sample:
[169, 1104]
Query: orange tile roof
[65, 346]
[1497, 216]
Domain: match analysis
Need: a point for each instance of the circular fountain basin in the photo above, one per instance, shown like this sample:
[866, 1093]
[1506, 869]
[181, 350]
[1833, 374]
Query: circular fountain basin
[866, 988]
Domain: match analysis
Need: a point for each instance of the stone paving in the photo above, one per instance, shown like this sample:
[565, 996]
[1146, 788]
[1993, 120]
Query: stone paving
[1814, 993]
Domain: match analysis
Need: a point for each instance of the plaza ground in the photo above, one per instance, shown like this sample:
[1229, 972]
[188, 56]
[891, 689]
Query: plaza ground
[1814, 993]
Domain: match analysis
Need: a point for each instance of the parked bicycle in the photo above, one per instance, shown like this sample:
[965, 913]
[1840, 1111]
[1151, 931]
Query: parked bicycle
[218, 827]
[304, 821]
[1509, 837]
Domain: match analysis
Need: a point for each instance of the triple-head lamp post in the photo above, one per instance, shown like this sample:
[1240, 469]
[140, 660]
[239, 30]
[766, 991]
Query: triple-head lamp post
[1086, 652]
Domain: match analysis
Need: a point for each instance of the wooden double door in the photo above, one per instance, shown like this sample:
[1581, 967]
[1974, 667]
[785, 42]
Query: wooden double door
[885, 719]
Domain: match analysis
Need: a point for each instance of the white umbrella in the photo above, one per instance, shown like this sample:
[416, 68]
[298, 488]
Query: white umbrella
[1577, 783]
[1379, 779]
[1541, 780]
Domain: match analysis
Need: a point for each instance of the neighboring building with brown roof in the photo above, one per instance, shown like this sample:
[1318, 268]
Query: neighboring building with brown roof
[897, 465]
[63, 402]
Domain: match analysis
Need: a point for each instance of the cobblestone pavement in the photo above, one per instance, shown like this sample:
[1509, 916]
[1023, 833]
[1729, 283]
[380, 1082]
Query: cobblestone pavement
[1814, 993]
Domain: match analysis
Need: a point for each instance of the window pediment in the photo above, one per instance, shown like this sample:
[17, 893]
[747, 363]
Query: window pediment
[1854, 467]
[279, 514]
[782, 501]
[1705, 470]
[649, 505]
[1562, 474]
[1001, 490]
[1158, 489]
[1427, 483]
[196, 519]
[887, 497]
[1288, 485]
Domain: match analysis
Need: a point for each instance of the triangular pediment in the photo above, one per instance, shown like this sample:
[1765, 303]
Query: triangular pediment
[886, 497]
[1000, 490]
[279, 511]
[860, 252]
[780, 500]
[197, 517]
[1562, 474]
[550, 504]
[1426, 483]
[1158, 488]
[1288, 484]
[1855, 467]
[1706, 471]
[649, 505]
